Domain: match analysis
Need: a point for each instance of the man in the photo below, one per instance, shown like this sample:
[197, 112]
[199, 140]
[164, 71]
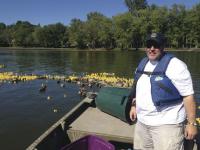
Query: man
[164, 99]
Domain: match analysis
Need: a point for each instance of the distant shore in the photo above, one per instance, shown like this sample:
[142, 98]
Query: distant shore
[97, 49]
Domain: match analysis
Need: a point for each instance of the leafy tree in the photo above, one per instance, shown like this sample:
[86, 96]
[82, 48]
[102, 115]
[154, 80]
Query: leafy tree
[2, 26]
[158, 19]
[65, 38]
[59, 35]
[193, 27]
[135, 5]
[93, 26]
[142, 26]
[106, 34]
[36, 40]
[197, 25]
[51, 35]
[175, 25]
[22, 33]
[126, 30]
[4, 37]
[123, 30]
[77, 34]
[99, 31]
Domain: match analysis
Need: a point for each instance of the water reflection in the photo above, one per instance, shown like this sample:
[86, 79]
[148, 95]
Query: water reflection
[122, 64]
[62, 62]
[26, 112]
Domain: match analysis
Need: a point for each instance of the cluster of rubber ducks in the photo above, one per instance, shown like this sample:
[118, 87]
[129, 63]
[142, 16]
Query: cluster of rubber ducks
[14, 78]
[198, 118]
[84, 82]
[2, 66]
[198, 121]
[109, 79]
[106, 79]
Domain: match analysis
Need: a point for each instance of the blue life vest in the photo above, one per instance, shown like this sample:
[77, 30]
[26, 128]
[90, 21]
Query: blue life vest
[163, 91]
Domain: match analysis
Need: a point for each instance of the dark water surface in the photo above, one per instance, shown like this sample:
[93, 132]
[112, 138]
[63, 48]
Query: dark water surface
[25, 113]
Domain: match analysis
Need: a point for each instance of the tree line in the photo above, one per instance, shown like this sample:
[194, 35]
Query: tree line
[125, 31]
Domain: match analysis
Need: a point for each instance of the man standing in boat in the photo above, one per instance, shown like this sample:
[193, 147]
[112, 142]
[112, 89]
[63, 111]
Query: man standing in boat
[163, 102]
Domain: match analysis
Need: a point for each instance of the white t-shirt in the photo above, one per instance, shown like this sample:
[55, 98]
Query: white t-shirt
[146, 111]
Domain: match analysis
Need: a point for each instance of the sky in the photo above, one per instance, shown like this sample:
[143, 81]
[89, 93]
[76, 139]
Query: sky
[46, 12]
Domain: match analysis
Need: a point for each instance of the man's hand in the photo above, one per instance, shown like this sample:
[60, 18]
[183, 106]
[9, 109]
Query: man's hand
[132, 113]
[190, 131]
[190, 107]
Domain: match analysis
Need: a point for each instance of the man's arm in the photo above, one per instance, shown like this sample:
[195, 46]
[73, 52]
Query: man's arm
[190, 107]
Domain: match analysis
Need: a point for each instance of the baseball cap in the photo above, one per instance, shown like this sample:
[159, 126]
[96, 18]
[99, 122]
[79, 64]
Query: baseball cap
[156, 37]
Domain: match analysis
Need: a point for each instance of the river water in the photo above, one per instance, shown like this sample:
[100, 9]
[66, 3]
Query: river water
[25, 113]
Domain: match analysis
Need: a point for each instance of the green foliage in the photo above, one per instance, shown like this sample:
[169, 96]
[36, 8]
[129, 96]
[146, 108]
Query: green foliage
[77, 34]
[2, 26]
[135, 5]
[193, 23]
[99, 31]
[22, 33]
[51, 36]
[4, 36]
[124, 31]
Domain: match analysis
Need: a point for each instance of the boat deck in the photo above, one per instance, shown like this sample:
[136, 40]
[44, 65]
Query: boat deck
[86, 119]
[94, 121]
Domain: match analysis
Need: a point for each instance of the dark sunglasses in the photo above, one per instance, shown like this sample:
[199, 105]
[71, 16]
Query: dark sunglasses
[154, 44]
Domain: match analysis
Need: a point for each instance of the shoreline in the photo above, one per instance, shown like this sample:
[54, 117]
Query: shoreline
[93, 50]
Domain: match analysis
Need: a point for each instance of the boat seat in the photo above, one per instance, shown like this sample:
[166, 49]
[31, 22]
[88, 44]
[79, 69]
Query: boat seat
[94, 121]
